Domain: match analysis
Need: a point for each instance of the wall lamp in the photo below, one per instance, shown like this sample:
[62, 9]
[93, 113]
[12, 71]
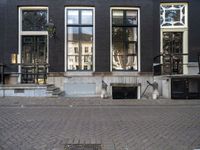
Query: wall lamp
[51, 28]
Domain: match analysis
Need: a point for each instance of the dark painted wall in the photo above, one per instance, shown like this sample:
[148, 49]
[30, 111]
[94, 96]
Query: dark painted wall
[150, 29]
[2, 30]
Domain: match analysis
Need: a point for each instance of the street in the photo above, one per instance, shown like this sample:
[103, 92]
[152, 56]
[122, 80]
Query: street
[114, 127]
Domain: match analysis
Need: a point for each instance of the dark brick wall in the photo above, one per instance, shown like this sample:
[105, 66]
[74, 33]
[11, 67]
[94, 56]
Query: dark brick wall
[150, 31]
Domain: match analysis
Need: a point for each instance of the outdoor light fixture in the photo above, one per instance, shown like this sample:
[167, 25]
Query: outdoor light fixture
[51, 28]
[13, 58]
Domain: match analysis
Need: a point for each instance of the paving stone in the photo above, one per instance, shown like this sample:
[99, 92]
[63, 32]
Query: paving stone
[116, 127]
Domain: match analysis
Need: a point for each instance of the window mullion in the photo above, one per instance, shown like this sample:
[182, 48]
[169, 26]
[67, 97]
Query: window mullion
[79, 45]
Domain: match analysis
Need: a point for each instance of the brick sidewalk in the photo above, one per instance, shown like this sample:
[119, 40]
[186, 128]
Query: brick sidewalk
[114, 127]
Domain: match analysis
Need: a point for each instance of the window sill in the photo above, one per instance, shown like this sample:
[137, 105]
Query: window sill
[78, 73]
[125, 73]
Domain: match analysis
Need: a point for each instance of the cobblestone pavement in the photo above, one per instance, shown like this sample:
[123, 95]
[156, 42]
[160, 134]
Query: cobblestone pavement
[40, 127]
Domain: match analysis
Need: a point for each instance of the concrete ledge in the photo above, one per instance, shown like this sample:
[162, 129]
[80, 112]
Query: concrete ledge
[125, 84]
[23, 90]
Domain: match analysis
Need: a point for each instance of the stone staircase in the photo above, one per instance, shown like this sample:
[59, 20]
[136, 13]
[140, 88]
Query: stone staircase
[53, 91]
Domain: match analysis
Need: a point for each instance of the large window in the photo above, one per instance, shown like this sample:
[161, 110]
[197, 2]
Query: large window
[125, 39]
[79, 39]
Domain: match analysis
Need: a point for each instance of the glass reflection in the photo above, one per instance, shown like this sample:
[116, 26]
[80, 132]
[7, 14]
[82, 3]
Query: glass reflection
[131, 34]
[34, 49]
[73, 33]
[86, 34]
[117, 34]
[72, 17]
[86, 62]
[34, 20]
[73, 62]
[80, 40]
[117, 17]
[86, 17]
[172, 15]
[124, 62]
[124, 39]
[131, 17]
[73, 48]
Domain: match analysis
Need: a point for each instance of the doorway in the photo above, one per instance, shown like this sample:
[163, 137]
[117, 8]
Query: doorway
[34, 59]
[173, 52]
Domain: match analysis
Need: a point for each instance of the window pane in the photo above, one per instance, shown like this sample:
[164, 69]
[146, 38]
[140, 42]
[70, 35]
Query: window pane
[118, 48]
[73, 33]
[34, 20]
[34, 49]
[86, 62]
[86, 34]
[117, 17]
[41, 51]
[117, 34]
[131, 34]
[131, 18]
[124, 62]
[86, 17]
[73, 17]
[73, 48]
[172, 15]
[86, 48]
[73, 62]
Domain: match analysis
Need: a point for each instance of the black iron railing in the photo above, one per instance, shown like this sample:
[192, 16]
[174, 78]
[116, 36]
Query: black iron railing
[169, 64]
[199, 62]
[34, 73]
[2, 73]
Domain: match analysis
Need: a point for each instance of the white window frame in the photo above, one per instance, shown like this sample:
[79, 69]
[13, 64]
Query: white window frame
[139, 44]
[183, 29]
[65, 44]
[21, 33]
[186, 15]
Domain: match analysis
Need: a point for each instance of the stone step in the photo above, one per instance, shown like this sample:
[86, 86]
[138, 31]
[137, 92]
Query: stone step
[54, 91]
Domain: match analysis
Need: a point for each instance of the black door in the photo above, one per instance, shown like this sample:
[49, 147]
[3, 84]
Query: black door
[34, 58]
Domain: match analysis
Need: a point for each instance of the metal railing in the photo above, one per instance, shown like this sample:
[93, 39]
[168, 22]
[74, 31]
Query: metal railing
[169, 64]
[2, 73]
[34, 73]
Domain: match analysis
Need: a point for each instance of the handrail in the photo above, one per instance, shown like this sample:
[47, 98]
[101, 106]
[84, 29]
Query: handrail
[34, 72]
[2, 73]
[168, 63]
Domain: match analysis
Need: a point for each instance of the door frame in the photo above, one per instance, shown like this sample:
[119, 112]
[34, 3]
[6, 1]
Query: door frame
[29, 33]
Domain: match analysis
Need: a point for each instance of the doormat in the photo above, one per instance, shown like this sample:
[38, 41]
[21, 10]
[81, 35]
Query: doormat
[83, 147]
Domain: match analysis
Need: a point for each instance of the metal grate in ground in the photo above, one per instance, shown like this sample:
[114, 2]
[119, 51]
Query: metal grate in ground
[83, 147]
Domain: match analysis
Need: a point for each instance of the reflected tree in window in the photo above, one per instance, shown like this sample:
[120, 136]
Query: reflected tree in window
[124, 40]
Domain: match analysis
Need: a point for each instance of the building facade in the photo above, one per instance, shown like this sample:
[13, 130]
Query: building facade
[82, 43]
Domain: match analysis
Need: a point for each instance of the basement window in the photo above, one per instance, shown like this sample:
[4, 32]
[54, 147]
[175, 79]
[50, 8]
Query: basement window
[124, 91]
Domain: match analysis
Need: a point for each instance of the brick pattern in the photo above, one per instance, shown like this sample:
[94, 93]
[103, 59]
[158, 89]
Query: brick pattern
[115, 127]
